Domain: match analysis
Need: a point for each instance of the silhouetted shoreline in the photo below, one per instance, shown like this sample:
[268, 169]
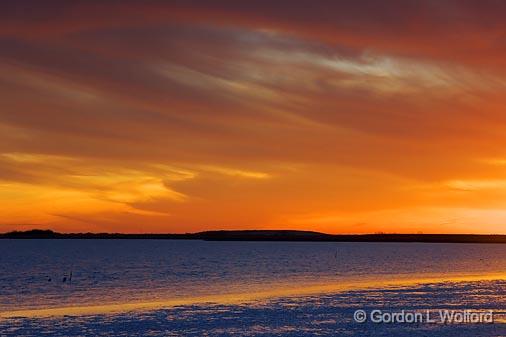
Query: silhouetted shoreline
[264, 235]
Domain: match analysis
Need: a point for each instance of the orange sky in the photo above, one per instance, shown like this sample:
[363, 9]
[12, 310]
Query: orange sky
[179, 116]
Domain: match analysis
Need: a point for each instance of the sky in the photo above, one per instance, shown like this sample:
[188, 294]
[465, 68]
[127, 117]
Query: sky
[182, 116]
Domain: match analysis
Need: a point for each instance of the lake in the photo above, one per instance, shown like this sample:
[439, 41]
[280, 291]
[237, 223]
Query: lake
[164, 276]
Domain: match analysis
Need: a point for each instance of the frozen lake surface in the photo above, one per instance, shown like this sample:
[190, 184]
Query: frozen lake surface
[119, 272]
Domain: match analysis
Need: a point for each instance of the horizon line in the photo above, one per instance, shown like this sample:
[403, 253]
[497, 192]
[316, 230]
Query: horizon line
[243, 230]
[267, 235]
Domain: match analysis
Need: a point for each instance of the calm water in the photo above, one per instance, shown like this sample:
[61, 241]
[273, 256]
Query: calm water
[110, 271]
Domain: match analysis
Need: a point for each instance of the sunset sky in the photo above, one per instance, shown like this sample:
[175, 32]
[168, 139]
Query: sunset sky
[181, 116]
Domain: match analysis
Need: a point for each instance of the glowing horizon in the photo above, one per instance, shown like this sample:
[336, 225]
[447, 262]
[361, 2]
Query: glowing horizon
[338, 117]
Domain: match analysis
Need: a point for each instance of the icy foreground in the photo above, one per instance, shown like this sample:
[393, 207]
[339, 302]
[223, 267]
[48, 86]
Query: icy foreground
[322, 315]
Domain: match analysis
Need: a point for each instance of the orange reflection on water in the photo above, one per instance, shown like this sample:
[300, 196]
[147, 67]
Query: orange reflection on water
[275, 291]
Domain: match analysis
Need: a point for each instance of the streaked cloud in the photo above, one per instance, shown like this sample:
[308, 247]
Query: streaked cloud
[183, 116]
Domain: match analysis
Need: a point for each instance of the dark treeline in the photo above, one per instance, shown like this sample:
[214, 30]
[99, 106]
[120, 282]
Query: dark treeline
[264, 235]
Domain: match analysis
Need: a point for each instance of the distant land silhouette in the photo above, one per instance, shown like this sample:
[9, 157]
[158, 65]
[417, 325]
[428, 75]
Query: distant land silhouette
[264, 235]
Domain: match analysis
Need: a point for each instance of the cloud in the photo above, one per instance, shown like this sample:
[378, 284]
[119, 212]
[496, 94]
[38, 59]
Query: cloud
[172, 113]
[452, 30]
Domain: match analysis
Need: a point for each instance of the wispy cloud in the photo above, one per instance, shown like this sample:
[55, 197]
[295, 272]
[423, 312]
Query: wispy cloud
[187, 115]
